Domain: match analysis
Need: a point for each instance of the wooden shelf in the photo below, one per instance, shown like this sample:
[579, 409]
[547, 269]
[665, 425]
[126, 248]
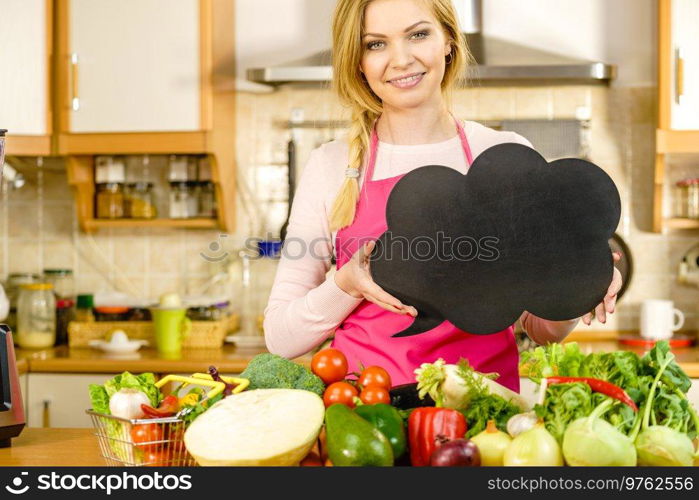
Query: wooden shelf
[677, 141]
[678, 223]
[94, 224]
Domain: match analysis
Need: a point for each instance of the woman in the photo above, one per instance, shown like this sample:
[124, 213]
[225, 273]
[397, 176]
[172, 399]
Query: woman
[395, 62]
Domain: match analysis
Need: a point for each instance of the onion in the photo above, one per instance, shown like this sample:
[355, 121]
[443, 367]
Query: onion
[492, 444]
[535, 447]
[456, 453]
[521, 422]
[126, 403]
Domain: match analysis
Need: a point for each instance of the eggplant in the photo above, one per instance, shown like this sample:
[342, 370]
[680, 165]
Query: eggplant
[404, 397]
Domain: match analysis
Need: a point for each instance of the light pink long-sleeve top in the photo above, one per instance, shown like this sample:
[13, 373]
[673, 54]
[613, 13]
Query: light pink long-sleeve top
[306, 305]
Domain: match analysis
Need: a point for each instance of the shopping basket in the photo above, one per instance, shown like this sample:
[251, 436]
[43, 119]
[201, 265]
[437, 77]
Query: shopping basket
[155, 442]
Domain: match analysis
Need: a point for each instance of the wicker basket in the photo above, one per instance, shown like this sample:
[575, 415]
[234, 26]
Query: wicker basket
[203, 335]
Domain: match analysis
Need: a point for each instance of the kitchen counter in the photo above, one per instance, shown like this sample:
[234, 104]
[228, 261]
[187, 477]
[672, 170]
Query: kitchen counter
[228, 359]
[53, 447]
[22, 365]
[231, 359]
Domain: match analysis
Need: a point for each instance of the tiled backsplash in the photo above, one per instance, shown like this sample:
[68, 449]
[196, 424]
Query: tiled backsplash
[38, 227]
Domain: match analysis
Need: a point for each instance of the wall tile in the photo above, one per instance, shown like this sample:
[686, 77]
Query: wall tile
[23, 220]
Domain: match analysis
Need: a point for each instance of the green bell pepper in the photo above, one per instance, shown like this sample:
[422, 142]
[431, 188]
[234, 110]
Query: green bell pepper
[389, 422]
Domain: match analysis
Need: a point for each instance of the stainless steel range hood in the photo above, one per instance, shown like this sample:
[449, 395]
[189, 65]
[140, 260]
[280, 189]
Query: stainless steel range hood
[497, 61]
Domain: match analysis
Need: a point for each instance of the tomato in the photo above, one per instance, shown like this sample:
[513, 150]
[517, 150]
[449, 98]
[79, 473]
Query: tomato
[340, 392]
[375, 375]
[330, 365]
[372, 394]
[146, 433]
[311, 460]
[156, 458]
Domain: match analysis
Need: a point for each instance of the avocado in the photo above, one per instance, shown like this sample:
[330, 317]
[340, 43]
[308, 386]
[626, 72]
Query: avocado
[354, 442]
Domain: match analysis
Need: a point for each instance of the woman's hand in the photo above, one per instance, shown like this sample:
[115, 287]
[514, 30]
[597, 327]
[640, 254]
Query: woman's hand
[607, 305]
[355, 279]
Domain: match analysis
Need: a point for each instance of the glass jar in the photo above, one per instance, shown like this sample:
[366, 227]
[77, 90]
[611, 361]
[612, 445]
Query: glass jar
[681, 198]
[183, 200]
[83, 311]
[2, 149]
[36, 316]
[182, 168]
[693, 198]
[140, 202]
[62, 282]
[207, 199]
[258, 273]
[12, 288]
[110, 200]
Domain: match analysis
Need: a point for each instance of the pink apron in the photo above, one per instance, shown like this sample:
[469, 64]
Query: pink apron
[365, 336]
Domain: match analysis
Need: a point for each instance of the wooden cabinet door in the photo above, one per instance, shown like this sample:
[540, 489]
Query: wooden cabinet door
[62, 398]
[685, 65]
[24, 66]
[134, 65]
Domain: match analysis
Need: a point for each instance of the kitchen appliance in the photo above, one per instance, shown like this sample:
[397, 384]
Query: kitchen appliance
[497, 60]
[12, 418]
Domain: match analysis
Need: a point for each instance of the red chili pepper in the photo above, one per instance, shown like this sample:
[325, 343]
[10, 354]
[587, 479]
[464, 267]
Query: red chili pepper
[424, 427]
[167, 408]
[597, 385]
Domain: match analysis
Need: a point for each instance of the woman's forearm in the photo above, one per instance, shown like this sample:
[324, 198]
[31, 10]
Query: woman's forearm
[544, 331]
[294, 327]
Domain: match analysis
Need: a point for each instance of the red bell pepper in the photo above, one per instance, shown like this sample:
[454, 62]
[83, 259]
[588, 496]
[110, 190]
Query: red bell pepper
[427, 427]
[167, 408]
[597, 385]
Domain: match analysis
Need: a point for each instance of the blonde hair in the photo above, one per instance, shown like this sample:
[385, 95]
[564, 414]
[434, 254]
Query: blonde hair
[355, 93]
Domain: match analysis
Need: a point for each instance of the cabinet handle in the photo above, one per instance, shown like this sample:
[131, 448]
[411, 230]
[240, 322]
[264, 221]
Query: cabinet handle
[46, 414]
[679, 75]
[74, 99]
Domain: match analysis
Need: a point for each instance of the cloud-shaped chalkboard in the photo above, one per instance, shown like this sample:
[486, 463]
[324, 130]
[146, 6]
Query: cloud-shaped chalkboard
[515, 234]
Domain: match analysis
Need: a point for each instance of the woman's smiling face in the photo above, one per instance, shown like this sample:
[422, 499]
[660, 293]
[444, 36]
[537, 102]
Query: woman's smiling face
[404, 52]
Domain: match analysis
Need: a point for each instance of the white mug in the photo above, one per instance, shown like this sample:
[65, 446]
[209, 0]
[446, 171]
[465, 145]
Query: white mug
[659, 319]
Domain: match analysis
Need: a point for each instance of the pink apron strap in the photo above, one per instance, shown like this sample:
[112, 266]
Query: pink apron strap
[374, 147]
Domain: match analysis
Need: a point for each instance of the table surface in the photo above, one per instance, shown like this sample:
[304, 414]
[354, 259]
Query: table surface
[53, 447]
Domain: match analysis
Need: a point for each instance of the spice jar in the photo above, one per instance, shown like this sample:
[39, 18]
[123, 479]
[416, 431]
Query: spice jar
[36, 316]
[207, 199]
[693, 198]
[681, 198]
[183, 200]
[110, 200]
[140, 202]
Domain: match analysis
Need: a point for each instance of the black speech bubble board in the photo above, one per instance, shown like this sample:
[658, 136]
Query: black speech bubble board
[514, 234]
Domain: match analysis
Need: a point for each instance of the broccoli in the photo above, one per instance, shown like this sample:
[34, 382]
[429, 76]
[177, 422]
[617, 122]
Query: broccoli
[269, 371]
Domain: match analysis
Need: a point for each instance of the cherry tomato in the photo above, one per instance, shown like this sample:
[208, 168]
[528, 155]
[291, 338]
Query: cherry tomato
[146, 433]
[340, 392]
[375, 375]
[156, 458]
[330, 365]
[372, 394]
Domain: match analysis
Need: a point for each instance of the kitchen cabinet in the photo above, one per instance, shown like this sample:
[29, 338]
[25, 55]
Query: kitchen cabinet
[135, 76]
[25, 82]
[134, 66]
[678, 98]
[684, 55]
[60, 399]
